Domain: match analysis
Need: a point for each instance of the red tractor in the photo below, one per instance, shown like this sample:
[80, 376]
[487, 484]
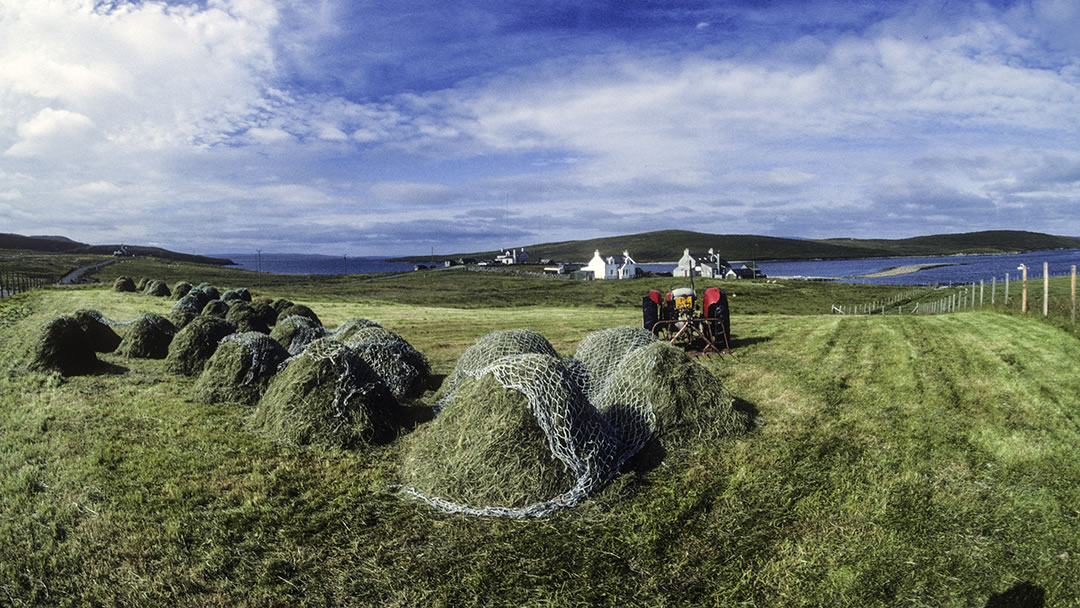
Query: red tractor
[676, 317]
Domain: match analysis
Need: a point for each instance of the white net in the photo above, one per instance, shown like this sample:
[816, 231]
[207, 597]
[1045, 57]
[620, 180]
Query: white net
[295, 333]
[592, 413]
[404, 369]
[266, 354]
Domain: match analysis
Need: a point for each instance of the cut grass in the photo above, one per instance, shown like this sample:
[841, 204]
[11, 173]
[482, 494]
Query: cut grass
[895, 461]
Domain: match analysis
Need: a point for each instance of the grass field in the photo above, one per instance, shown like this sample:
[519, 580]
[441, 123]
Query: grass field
[894, 461]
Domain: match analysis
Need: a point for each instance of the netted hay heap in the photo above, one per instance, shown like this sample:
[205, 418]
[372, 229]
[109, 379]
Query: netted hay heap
[595, 412]
[280, 305]
[403, 368]
[328, 395]
[181, 289]
[157, 288]
[345, 331]
[211, 292]
[215, 308]
[124, 284]
[243, 316]
[266, 313]
[147, 337]
[193, 345]
[300, 310]
[63, 347]
[102, 337]
[295, 333]
[188, 307]
[240, 369]
[241, 294]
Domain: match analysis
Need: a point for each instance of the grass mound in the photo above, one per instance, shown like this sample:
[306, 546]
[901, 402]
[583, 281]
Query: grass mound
[147, 337]
[243, 316]
[181, 289]
[157, 288]
[240, 369]
[295, 333]
[102, 337]
[124, 284]
[403, 368]
[215, 308]
[242, 295]
[485, 449]
[195, 344]
[64, 347]
[327, 396]
[345, 331]
[299, 310]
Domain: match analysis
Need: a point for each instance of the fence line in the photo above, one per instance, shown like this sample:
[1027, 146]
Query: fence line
[13, 282]
[966, 296]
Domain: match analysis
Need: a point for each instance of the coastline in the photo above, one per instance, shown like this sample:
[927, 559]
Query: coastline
[896, 271]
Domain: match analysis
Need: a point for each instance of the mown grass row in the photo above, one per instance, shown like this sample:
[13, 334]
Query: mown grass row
[895, 461]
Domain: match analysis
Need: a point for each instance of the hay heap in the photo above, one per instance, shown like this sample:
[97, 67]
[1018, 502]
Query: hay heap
[243, 316]
[266, 313]
[295, 333]
[215, 308]
[240, 369]
[124, 284]
[345, 331]
[211, 292]
[157, 288]
[328, 396]
[181, 289]
[403, 368]
[188, 307]
[299, 310]
[63, 347]
[241, 294]
[147, 337]
[195, 343]
[280, 305]
[594, 413]
[102, 337]
[141, 283]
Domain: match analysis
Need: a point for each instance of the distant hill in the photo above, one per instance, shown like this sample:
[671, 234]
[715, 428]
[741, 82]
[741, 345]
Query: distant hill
[61, 244]
[668, 245]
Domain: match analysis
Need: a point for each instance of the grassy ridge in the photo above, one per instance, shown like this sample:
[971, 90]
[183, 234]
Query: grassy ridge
[895, 461]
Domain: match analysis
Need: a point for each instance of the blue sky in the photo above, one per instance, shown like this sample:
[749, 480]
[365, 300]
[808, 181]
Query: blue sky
[383, 128]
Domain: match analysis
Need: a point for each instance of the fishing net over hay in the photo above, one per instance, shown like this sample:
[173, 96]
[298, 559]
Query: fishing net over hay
[195, 343]
[241, 294]
[595, 413]
[188, 307]
[327, 395]
[97, 328]
[265, 313]
[243, 316]
[300, 310]
[404, 369]
[181, 289]
[147, 337]
[240, 369]
[215, 308]
[295, 333]
[345, 331]
[63, 346]
[211, 292]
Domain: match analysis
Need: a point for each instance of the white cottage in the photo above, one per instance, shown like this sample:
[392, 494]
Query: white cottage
[512, 256]
[613, 266]
[709, 265]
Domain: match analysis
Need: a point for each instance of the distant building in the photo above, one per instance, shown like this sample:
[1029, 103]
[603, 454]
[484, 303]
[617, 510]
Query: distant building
[512, 256]
[709, 265]
[613, 266]
[745, 271]
[561, 268]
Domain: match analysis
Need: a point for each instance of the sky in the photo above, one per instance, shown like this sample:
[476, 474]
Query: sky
[393, 128]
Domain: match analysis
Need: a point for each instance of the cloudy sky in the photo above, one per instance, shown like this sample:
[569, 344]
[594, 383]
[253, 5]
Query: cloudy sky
[396, 127]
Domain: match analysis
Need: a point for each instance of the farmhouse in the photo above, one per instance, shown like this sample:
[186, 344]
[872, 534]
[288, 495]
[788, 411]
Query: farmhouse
[709, 265]
[744, 271]
[613, 267]
[512, 256]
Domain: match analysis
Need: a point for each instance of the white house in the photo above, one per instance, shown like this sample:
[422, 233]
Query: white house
[709, 265]
[613, 266]
[512, 256]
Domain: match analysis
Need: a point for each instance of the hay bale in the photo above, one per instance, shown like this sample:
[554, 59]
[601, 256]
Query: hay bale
[403, 368]
[601, 351]
[328, 396]
[490, 348]
[157, 288]
[195, 343]
[147, 337]
[243, 316]
[124, 284]
[295, 333]
[241, 294]
[64, 347]
[240, 369]
[266, 313]
[485, 449]
[211, 292]
[181, 289]
[299, 310]
[281, 304]
[345, 331]
[102, 337]
[215, 308]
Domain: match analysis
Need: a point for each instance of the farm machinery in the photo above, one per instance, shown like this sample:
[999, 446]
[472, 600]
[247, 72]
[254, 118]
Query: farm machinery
[676, 317]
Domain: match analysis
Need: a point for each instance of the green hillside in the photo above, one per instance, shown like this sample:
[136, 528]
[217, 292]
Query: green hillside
[60, 244]
[668, 245]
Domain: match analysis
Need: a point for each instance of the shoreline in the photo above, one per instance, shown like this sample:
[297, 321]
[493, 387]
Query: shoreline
[896, 271]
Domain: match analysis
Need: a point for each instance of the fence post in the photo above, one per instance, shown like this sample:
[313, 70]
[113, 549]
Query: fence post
[1006, 289]
[1046, 289]
[982, 291]
[993, 290]
[1023, 299]
[1074, 293]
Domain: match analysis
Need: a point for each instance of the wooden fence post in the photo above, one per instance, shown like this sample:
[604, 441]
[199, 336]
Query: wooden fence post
[1074, 293]
[1023, 299]
[993, 290]
[1006, 289]
[982, 291]
[1046, 289]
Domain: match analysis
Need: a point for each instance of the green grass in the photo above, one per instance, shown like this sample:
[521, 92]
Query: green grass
[895, 461]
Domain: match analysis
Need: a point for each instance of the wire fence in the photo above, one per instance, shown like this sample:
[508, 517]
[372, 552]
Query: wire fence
[13, 282]
[1027, 291]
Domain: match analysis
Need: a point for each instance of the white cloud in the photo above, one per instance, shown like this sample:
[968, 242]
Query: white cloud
[53, 133]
